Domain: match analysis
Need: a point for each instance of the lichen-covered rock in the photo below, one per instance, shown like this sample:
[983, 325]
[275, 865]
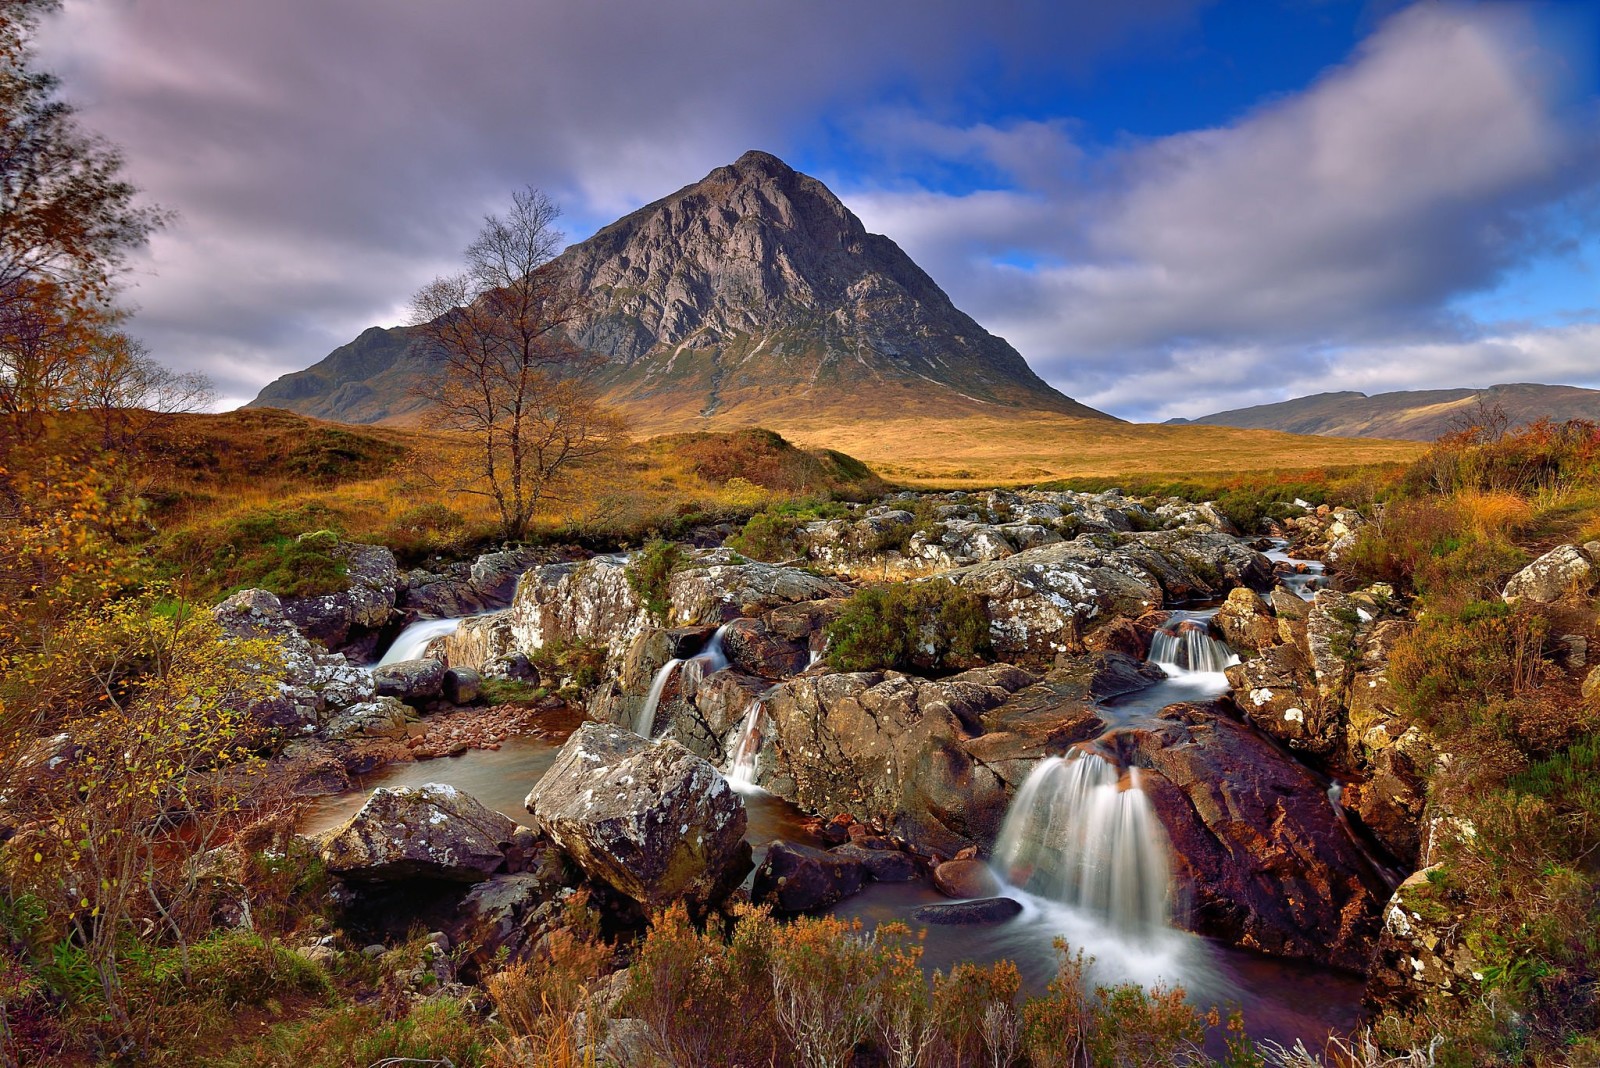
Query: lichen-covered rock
[654, 822]
[1422, 956]
[500, 920]
[797, 878]
[1564, 570]
[753, 648]
[1246, 623]
[432, 831]
[480, 643]
[362, 607]
[412, 681]
[466, 589]
[312, 684]
[1276, 693]
[381, 717]
[1334, 629]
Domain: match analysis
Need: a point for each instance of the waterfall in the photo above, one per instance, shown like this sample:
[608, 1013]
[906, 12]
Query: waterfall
[747, 746]
[709, 660]
[1079, 834]
[1184, 643]
[410, 643]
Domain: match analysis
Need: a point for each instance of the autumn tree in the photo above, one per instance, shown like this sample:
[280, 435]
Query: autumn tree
[506, 377]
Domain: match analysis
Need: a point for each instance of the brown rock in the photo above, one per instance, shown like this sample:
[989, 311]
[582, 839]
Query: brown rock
[965, 878]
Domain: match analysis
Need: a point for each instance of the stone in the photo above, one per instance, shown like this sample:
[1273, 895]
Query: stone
[460, 685]
[1246, 623]
[411, 681]
[432, 831]
[884, 865]
[362, 607]
[654, 822]
[1276, 693]
[966, 913]
[1564, 570]
[311, 683]
[753, 649]
[796, 878]
[500, 920]
[965, 878]
[381, 717]
[322, 956]
[1422, 956]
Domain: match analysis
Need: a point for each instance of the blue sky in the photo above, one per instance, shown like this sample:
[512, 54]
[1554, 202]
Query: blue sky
[1170, 207]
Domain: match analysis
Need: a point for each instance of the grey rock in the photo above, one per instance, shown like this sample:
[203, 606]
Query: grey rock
[795, 878]
[432, 831]
[966, 913]
[1564, 570]
[382, 717]
[412, 681]
[460, 685]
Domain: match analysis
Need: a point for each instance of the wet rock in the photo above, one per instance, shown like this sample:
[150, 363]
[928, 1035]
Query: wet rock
[884, 865]
[382, 717]
[1119, 636]
[796, 878]
[1276, 694]
[460, 686]
[1564, 570]
[1116, 674]
[655, 822]
[987, 910]
[752, 648]
[466, 589]
[965, 878]
[411, 681]
[1421, 955]
[1255, 841]
[433, 831]
[363, 606]
[482, 644]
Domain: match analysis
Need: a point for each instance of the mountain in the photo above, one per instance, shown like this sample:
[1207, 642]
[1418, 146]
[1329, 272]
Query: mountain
[752, 296]
[1415, 415]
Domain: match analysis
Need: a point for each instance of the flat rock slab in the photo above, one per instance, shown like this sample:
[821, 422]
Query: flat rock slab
[984, 910]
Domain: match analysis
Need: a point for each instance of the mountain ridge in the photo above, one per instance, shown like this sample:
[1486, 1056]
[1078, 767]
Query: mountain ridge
[751, 296]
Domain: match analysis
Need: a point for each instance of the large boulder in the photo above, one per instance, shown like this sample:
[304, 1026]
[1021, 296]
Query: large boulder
[1276, 692]
[312, 684]
[1564, 570]
[360, 609]
[432, 831]
[483, 644]
[382, 717]
[1422, 958]
[413, 681]
[466, 589]
[1246, 622]
[1266, 862]
[654, 822]
[796, 878]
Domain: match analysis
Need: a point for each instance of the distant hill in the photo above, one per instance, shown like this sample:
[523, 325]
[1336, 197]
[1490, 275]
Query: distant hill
[1416, 415]
[753, 296]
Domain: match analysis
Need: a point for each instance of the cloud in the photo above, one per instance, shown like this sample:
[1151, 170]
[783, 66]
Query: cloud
[326, 159]
[1166, 272]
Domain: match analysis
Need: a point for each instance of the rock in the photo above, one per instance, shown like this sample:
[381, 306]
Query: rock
[1245, 621]
[306, 769]
[1333, 630]
[483, 644]
[433, 831]
[796, 878]
[1119, 636]
[986, 910]
[1276, 694]
[500, 920]
[311, 683]
[466, 589]
[362, 607]
[411, 681]
[460, 686]
[322, 956]
[752, 648]
[884, 865]
[1256, 843]
[1564, 570]
[1591, 688]
[799, 622]
[655, 822]
[1116, 674]
[965, 878]
[1422, 955]
[382, 717]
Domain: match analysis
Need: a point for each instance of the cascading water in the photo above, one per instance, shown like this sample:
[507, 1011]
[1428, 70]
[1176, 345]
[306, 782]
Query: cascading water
[708, 661]
[1184, 644]
[1308, 576]
[410, 643]
[1080, 833]
[747, 747]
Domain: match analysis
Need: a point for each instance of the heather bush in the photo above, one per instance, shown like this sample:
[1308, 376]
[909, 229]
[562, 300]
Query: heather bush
[929, 625]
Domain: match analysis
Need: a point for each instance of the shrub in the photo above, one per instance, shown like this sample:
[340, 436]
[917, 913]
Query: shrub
[650, 576]
[434, 1031]
[580, 662]
[768, 536]
[932, 625]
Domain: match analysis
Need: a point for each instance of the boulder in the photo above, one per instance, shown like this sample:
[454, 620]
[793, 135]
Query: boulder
[1333, 637]
[986, 910]
[482, 644]
[1117, 674]
[382, 717]
[1422, 956]
[1564, 570]
[654, 822]
[1276, 694]
[460, 685]
[466, 589]
[1260, 850]
[433, 832]
[965, 878]
[372, 586]
[500, 920]
[796, 878]
[1246, 622]
[412, 681]
[753, 649]
[884, 865]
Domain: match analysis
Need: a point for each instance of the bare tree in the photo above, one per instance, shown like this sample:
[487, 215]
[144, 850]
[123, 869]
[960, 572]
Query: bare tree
[121, 386]
[507, 378]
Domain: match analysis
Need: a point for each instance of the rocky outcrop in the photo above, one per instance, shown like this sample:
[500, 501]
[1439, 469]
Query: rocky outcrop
[796, 878]
[382, 717]
[1246, 621]
[1255, 841]
[431, 832]
[1422, 956]
[500, 920]
[467, 588]
[312, 684]
[1563, 571]
[483, 644]
[361, 608]
[654, 822]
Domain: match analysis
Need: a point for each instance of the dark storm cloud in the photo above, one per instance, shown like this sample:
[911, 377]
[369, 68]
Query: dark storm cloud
[328, 158]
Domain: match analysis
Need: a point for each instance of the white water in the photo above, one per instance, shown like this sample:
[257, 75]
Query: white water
[1184, 645]
[708, 661]
[1080, 834]
[410, 643]
[747, 748]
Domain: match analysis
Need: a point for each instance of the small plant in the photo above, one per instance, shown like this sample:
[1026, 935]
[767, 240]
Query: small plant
[932, 625]
[650, 576]
[767, 536]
